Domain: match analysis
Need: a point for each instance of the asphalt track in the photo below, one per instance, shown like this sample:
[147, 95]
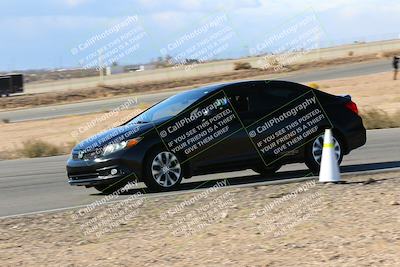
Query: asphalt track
[40, 185]
[47, 112]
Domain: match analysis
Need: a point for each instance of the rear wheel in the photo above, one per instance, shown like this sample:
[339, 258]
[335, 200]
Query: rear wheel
[313, 153]
[163, 171]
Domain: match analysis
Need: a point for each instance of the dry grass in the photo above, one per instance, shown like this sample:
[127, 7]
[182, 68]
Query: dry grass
[53, 136]
[353, 224]
[379, 119]
[242, 66]
[377, 96]
[126, 89]
[39, 148]
[375, 91]
[58, 140]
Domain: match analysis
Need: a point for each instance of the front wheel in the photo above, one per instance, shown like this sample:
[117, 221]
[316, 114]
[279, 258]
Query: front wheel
[313, 152]
[163, 171]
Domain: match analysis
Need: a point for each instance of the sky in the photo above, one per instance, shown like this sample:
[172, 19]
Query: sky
[65, 33]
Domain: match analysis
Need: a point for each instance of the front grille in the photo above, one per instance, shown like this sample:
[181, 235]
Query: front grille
[87, 155]
[91, 155]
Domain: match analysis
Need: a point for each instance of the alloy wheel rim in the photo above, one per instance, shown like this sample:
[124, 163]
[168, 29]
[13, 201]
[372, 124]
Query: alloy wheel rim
[318, 145]
[166, 169]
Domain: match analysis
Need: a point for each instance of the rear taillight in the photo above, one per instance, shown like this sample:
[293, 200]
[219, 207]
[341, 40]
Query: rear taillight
[352, 106]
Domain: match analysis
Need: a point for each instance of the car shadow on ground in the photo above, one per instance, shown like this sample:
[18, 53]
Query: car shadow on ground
[284, 175]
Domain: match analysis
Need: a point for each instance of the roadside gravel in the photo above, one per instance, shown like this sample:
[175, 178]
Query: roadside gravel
[299, 224]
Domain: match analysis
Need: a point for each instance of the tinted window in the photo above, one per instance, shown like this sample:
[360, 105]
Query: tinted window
[241, 103]
[171, 106]
[242, 97]
[274, 95]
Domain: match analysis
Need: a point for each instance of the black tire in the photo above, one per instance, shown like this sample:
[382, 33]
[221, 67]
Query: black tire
[310, 157]
[166, 180]
[267, 171]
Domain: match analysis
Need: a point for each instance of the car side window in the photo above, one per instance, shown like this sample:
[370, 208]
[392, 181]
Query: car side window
[242, 98]
[274, 96]
[241, 103]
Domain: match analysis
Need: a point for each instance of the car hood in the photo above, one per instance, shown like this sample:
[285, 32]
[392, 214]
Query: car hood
[114, 135]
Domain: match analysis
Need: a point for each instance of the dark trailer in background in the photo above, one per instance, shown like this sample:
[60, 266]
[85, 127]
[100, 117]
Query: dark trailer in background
[11, 84]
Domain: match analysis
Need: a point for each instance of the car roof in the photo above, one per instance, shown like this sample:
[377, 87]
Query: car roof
[215, 87]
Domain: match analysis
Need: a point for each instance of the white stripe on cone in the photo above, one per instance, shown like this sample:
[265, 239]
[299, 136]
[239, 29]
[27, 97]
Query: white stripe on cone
[329, 171]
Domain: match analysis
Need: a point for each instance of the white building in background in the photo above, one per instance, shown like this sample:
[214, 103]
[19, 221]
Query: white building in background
[121, 69]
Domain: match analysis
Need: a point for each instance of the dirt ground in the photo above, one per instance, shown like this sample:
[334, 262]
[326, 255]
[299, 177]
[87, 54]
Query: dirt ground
[369, 91]
[104, 91]
[68, 131]
[297, 224]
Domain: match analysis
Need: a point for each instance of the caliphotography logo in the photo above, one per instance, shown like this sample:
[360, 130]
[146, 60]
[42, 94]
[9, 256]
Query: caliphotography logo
[199, 133]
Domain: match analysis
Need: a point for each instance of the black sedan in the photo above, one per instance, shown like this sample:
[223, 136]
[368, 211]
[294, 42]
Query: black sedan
[258, 125]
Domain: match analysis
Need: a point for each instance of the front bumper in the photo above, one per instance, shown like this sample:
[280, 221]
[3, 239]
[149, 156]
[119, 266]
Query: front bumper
[98, 172]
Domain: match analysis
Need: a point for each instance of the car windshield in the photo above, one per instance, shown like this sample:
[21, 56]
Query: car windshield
[170, 107]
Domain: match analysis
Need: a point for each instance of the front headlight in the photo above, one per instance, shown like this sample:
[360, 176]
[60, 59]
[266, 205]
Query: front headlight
[111, 148]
